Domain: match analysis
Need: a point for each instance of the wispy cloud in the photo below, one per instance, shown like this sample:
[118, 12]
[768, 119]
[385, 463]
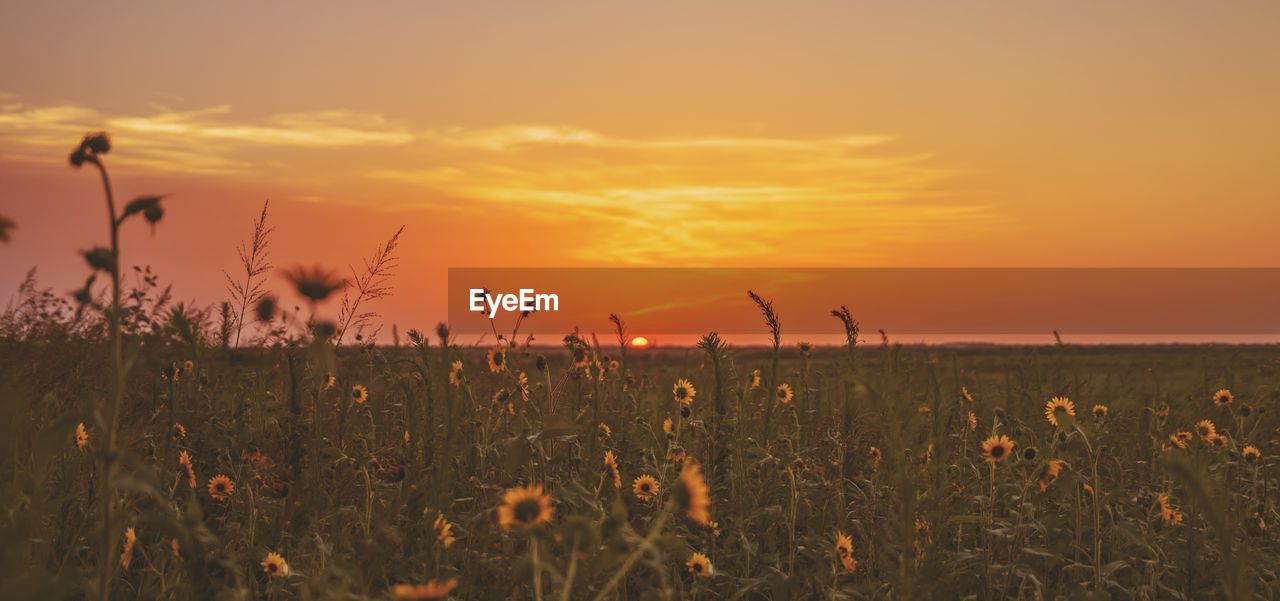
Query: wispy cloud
[208, 140]
[706, 199]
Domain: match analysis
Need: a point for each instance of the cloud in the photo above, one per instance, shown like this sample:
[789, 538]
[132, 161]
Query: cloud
[709, 199]
[207, 140]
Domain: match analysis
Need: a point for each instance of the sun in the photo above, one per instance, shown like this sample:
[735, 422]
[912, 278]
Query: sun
[639, 342]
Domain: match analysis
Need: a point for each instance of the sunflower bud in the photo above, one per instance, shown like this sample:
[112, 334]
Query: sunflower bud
[97, 142]
[100, 259]
[266, 308]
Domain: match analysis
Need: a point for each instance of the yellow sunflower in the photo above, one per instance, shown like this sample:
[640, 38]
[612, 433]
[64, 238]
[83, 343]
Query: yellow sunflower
[997, 448]
[524, 507]
[1100, 411]
[604, 431]
[455, 373]
[275, 565]
[1052, 470]
[497, 359]
[1178, 440]
[964, 391]
[611, 462]
[1223, 398]
[1219, 441]
[1251, 453]
[422, 592]
[784, 393]
[645, 487]
[972, 420]
[179, 431]
[329, 381]
[443, 529]
[874, 453]
[1057, 406]
[755, 379]
[1206, 430]
[668, 428]
[699, 565]
[130, 539]
[684, 392]
[221, 487]
[522, 384]
[844, 551]
[82, 436]
[359, 393]
[693, 495]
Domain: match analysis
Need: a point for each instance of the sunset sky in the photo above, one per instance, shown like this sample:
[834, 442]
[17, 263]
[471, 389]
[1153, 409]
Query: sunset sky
[748, 134]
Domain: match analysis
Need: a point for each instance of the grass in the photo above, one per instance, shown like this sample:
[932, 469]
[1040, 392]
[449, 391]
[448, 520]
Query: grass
[423, 468]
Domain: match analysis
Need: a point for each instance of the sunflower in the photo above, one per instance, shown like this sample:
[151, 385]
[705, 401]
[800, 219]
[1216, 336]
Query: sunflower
[1219, 441]
[874, 453]
[684, 392]
[603, 431]
[1052, 470]
[522, 384]
[1056, 406]
[693, 495]
[184, 459]
[1162, 412]
[646, 487]
[1251, 453]
[699, 565]
[972, 420]
[755, 379]
[221, 487]
[668, 428]
[1178, 440]
[614, 365]
[844, 551]
[188, 365]
[525, 507]
[455, 373]
[443, 530]
[82, 436]
[275, 565]
[997, 448]
[784, 393]
[1206, 430]
[1223, 398]
[1171, 516]
[1100, 411]
[431, 590]
[497, 359]
[130, 539]
[359, 393]
[179, 431]
[611, 462]
[964, 391]
[329, 381]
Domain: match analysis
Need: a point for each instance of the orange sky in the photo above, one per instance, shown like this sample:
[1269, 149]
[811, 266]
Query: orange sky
[664, 134]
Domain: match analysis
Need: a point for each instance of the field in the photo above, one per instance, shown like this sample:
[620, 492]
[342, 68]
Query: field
[159, 450]
[410, 467]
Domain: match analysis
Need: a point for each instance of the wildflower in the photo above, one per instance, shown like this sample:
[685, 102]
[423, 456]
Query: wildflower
[455, 373]
[275, 565]
[964, 391]
[684, 392]
[603, 431]
[1029, 453]
[645, 487]
[874, 453]
[1206, 430]
[1100, 411]
[443, 530]
[525, 507]
[184, 458]
[329, 381]
[972, 420]
[997, 448]
[1057, 406]
[1223, 398]
[755, 379]
[171, 373]
[611, 462]
[497, 359]
[221, 487]
[315, 283]
[1219, 441]
[668, 428]
[614, 365]
[693, 495]
[130, 539]
[1052, 470]
[359, 394]
[1170, 515]
[522, 384]
[82, 436]
[844, 551]
[1251, 453]
[179, 431]
[699, 565]
[431, 590]
[784, 393]
[1163, 412]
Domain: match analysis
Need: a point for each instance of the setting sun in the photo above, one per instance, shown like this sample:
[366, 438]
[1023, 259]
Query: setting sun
[639, 342]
